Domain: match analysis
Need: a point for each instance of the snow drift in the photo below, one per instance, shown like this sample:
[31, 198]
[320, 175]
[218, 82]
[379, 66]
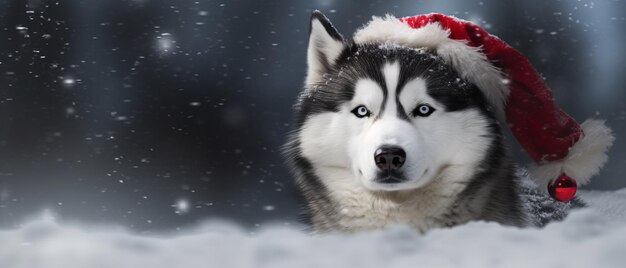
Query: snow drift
[590, 237]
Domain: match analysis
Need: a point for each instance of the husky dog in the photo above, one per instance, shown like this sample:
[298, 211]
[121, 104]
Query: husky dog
[388, 134]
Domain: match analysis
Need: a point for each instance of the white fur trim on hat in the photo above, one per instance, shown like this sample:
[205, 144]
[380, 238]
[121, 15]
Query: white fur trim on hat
[468, 61]
[583, 160]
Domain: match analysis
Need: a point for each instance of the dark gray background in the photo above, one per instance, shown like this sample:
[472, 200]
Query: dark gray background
[117, 111]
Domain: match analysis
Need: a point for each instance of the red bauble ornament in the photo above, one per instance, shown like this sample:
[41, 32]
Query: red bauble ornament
[562, 188]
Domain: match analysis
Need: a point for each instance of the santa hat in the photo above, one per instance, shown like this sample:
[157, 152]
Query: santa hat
[562, 149]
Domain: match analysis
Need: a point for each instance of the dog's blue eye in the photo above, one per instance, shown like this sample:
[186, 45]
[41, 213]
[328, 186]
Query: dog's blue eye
[423, 110]
[361, 111]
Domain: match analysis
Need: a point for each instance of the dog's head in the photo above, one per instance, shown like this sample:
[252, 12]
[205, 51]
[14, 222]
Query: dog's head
[394, 116]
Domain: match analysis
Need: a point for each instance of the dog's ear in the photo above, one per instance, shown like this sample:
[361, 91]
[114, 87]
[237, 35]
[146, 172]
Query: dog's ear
[325, 45]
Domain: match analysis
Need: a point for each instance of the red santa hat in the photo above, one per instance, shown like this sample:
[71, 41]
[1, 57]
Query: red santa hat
[560, 147]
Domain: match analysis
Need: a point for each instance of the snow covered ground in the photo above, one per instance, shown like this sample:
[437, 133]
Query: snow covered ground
[591, 237]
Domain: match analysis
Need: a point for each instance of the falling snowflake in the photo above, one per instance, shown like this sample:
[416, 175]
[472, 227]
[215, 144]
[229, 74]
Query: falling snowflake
[69, 81]
[165, 43]
[182, 206]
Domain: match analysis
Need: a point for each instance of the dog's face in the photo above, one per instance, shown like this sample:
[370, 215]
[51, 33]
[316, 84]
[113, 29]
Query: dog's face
[395, 117]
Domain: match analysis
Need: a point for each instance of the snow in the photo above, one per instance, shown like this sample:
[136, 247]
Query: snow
[182, 206]
[590, 237]
[165, 43]
[69, 81]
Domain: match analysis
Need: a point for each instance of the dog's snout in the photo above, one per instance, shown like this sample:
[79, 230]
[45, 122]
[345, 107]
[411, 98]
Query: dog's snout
[389, 158]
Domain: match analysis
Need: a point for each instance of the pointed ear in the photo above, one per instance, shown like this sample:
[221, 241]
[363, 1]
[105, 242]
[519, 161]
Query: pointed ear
[325, 45]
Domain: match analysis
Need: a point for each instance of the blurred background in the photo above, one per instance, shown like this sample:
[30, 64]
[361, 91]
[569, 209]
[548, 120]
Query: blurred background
[156, 114]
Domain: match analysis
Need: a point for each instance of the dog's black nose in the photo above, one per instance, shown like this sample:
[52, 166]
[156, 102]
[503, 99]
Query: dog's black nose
[389, 158]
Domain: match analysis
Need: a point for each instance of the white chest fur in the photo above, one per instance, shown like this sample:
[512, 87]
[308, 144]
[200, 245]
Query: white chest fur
[427, 207]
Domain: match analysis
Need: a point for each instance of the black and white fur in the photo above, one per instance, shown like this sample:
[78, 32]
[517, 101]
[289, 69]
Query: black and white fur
[451, 163]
